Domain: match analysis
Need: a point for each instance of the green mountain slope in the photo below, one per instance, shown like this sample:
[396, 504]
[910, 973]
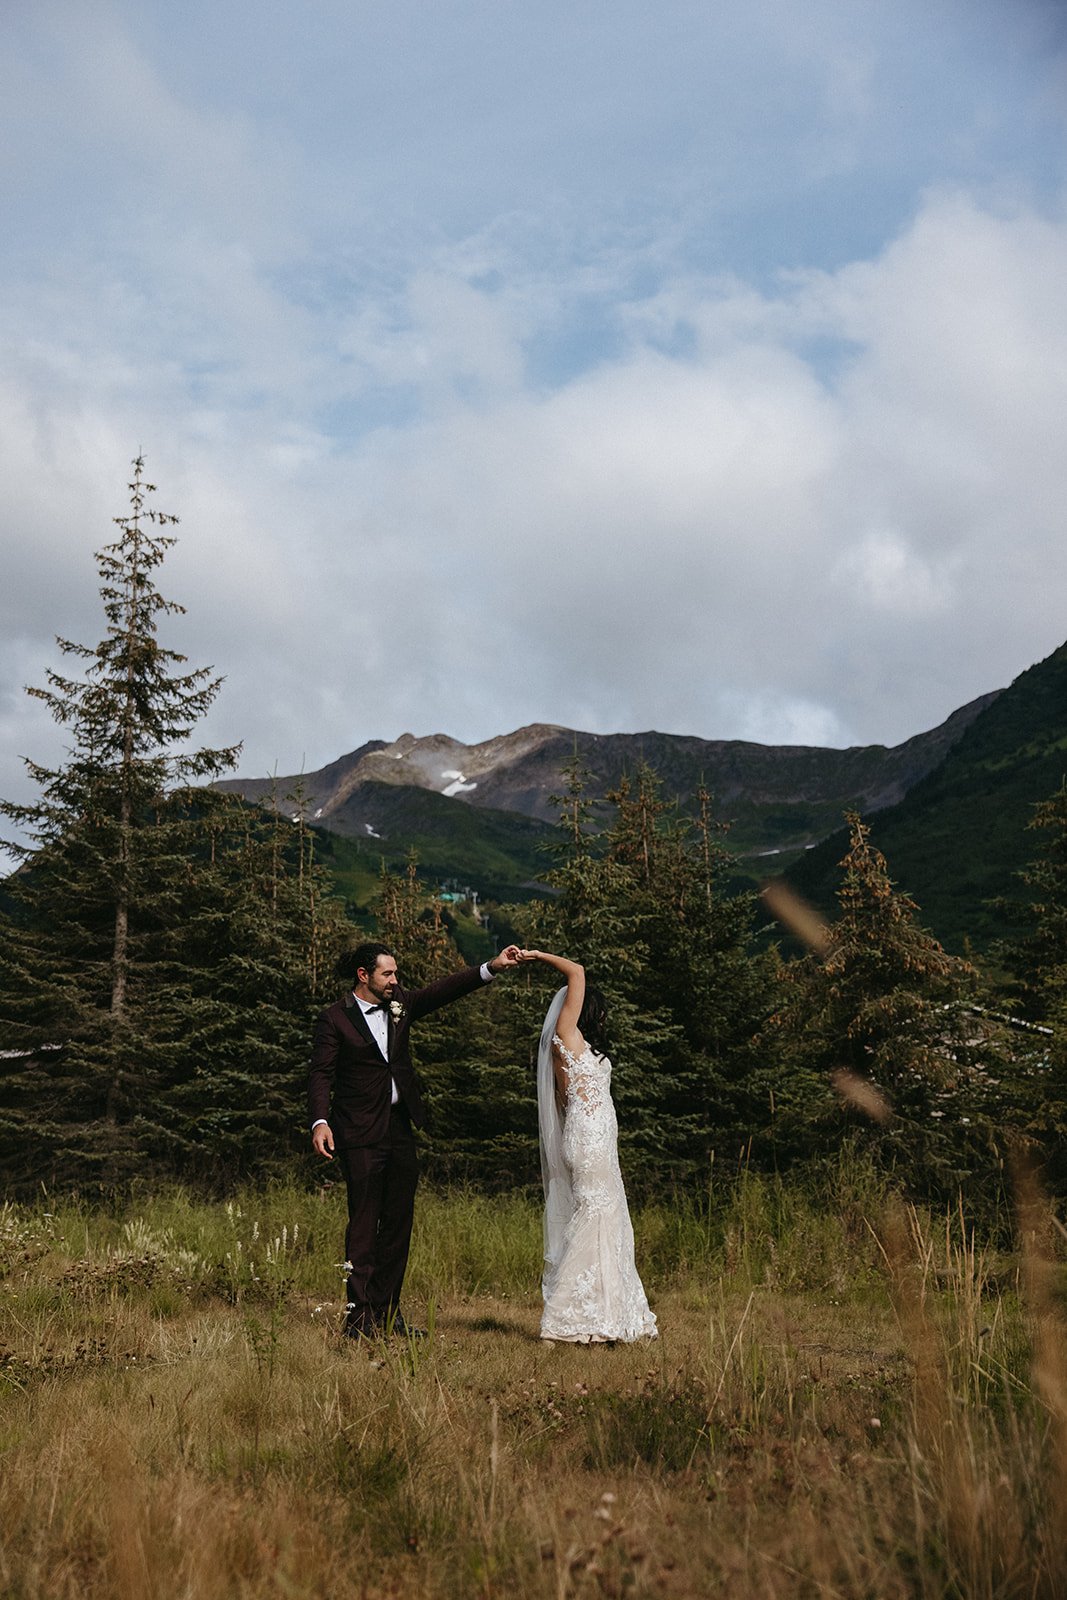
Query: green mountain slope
[498, 853]
[959, 837]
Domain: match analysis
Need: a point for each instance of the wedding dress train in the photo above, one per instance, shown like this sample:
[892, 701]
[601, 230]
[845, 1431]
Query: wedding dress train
[591, 1288]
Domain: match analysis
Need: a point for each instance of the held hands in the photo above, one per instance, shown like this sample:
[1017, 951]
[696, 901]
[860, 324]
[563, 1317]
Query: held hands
[511, 956]
[524, 956]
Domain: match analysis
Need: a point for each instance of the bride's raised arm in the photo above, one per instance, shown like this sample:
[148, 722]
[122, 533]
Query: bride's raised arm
[574, 973]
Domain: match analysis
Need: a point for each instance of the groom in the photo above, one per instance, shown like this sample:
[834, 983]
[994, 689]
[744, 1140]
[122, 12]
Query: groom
[362, 1054]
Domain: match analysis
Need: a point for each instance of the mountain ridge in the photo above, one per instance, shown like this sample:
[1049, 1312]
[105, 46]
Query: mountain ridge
[780, 798]
[949, 807]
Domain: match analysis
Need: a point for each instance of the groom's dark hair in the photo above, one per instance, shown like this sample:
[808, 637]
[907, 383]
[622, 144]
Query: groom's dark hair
[365, 956]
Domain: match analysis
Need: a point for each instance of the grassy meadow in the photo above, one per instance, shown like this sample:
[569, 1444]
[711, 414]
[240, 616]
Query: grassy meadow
[849, 1398]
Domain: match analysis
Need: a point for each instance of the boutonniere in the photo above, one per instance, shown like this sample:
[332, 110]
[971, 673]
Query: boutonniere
[396, 1009]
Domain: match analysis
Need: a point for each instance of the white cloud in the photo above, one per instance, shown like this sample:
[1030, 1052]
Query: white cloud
[882, 574]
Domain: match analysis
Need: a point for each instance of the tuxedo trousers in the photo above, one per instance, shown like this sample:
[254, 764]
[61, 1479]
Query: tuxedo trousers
[381, 1180]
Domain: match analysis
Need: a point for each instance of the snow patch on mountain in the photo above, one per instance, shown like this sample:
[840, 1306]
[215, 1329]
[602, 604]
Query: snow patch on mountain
[456, 783]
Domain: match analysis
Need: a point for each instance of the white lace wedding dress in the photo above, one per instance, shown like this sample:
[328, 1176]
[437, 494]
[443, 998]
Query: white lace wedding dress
[591, 1288]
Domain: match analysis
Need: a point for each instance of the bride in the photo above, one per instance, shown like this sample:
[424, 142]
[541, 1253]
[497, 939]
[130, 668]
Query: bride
[591, 1288]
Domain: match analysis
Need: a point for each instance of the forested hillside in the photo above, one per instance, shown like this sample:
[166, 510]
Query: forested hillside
[958, 840]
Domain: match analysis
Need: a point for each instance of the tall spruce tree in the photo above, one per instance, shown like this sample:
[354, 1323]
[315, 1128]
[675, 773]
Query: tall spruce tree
[1038, 960]
[703, 971]
[242, 974]
[596, 917]
[132, 893]
[481, 1112]
[644, 903]
[1038, 963]
[889, 1005]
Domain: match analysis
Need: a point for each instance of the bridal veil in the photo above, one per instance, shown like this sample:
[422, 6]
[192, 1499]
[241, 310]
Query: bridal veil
[559, 1199]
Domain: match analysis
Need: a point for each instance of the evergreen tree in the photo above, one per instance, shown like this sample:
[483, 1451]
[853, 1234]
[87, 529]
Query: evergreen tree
[133, 899]
[1038, 962]
[596, 917]
[643, 903]
[715, 988]
[408, 919]
[241, 978]
[887, 1004]
[481, 1116]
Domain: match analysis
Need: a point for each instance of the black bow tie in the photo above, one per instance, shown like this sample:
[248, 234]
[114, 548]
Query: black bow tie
[382, 1007]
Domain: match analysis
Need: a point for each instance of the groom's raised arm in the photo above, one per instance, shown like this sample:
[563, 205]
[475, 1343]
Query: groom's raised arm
[419, 1002]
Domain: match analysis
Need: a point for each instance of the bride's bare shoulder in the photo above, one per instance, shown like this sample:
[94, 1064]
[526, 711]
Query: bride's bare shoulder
[568, 1043]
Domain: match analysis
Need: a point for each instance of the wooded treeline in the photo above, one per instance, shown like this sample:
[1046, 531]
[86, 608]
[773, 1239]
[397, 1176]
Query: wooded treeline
[165, 948]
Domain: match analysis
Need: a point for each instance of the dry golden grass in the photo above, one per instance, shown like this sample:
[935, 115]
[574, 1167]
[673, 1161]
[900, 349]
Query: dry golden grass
[851, 1403]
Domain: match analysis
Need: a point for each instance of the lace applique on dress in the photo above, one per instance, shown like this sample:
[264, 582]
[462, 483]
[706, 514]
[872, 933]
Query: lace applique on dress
[593, 1292]
[588, 1077]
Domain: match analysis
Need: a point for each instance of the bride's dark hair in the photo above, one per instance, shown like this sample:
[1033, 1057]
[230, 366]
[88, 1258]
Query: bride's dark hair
[593, 1022]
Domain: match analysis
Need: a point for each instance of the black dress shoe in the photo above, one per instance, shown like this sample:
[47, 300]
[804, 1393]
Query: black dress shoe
[362, 1330]
[403, 1330]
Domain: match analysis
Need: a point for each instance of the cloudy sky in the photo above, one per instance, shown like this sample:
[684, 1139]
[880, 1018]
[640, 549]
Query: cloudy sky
[691, 366]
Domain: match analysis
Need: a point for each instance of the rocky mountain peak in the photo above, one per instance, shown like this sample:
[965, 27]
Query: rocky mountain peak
[448, 766]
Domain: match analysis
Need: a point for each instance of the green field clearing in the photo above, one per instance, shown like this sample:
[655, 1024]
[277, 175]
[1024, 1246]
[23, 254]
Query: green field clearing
[848, 1398]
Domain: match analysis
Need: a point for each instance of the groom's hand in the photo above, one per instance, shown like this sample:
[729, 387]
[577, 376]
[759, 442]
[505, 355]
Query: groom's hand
[511, 956]
[322, 1141]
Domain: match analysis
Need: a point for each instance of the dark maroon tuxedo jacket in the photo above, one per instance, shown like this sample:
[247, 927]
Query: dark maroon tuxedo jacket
[346, 1062]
